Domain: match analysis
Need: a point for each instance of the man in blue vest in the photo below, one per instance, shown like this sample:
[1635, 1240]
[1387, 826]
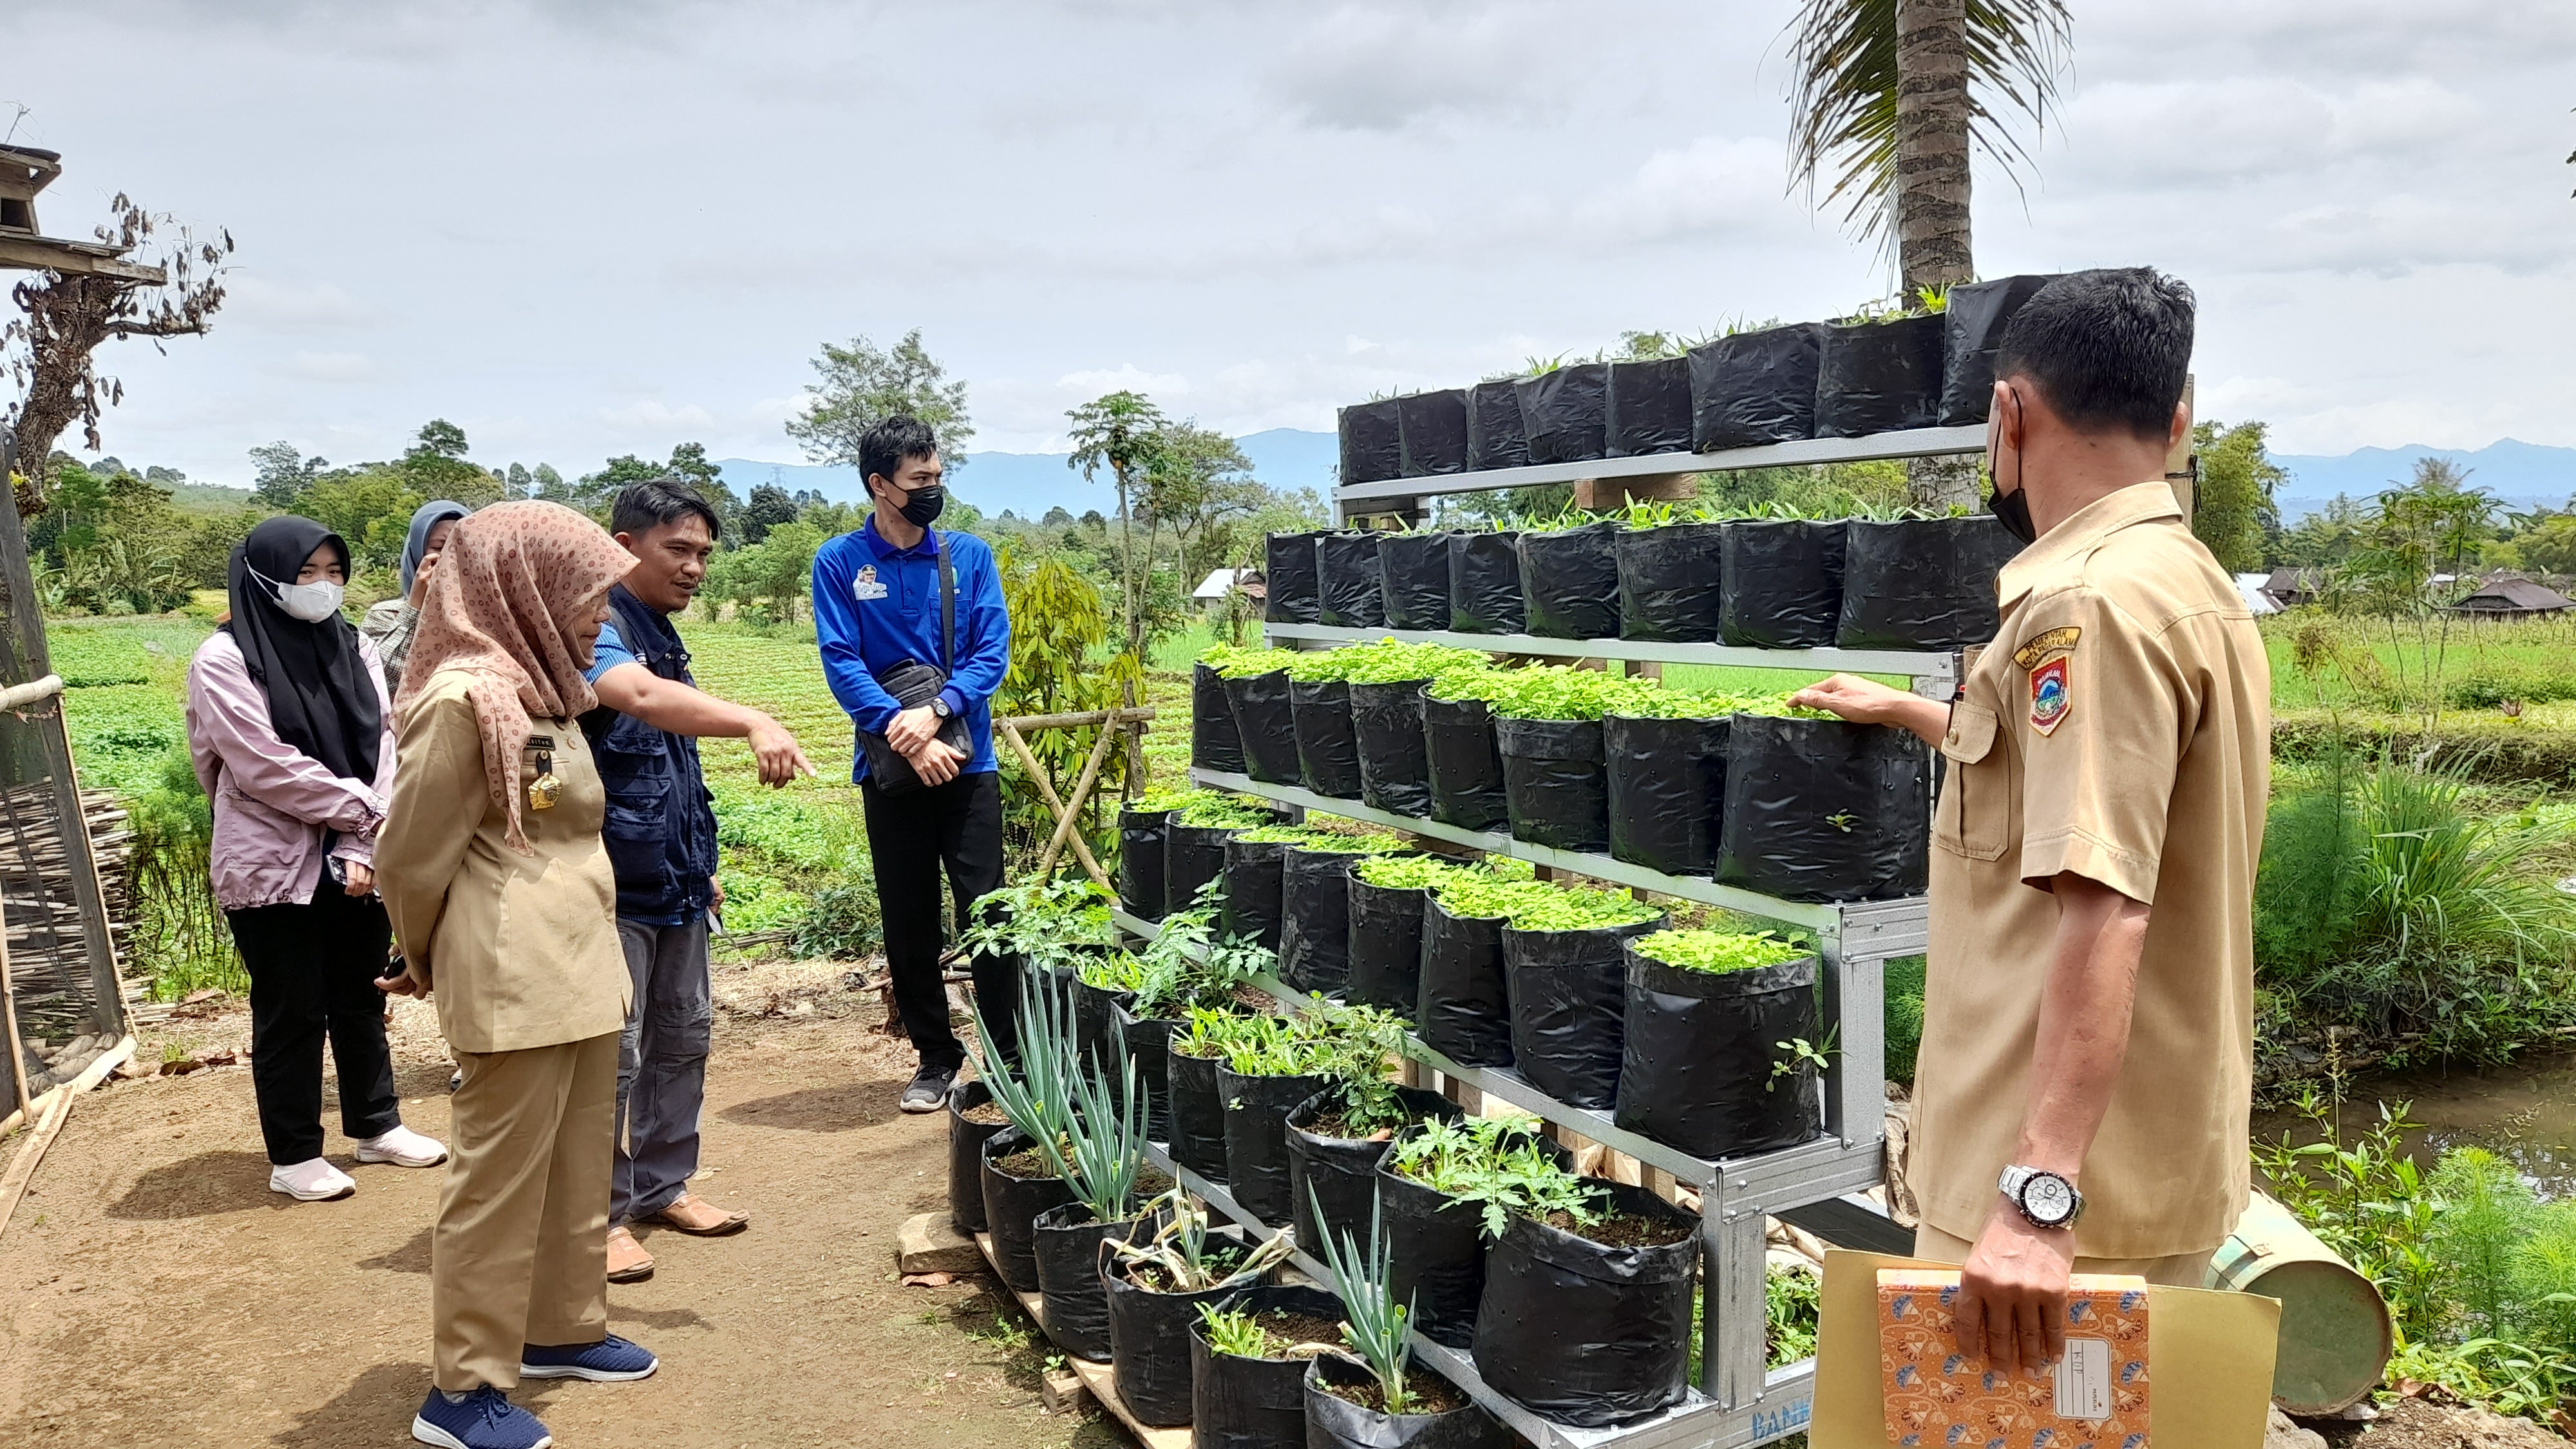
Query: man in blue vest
[890, 598]
[661, 838]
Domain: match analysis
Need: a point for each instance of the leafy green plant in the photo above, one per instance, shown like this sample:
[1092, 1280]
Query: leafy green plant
[1234, 662]
[839, 923]
[1793, 1310]
[1374, 1324]
[1105, 1137]
[1498, 1165]
[1368, 842]
[1539, 905]
[1181, 969]
[1235, 1332]
[1718, 952]
[1044, 922]
[1117, 971]
[1804, 1055]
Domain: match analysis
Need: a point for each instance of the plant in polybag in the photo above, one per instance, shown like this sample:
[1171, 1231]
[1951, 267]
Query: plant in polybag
[1156, 1286]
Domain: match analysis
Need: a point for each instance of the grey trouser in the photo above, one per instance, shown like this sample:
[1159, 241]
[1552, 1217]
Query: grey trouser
[661, 1066]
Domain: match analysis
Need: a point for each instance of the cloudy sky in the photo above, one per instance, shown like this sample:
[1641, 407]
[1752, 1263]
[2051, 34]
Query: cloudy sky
[585, 227]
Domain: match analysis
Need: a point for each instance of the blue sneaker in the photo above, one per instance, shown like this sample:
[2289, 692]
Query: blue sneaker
[483, 1419]
[612, 1360]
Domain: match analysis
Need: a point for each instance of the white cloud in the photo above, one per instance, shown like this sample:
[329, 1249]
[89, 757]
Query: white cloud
[334, 367]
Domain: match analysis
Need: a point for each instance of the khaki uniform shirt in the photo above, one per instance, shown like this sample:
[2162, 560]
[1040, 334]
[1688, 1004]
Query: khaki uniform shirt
[521, 950]
[2119, 728]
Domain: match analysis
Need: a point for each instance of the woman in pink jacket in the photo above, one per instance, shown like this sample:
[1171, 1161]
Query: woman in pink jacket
[293, 739]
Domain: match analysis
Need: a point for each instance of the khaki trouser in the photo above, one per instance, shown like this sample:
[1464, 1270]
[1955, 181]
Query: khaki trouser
[2182, 1270]
[520, 1253]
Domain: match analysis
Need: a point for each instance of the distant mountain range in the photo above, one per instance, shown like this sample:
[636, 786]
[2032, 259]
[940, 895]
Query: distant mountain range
[2521, 475]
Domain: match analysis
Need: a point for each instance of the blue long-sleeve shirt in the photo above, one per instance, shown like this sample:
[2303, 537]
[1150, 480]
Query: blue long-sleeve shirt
[876, 606]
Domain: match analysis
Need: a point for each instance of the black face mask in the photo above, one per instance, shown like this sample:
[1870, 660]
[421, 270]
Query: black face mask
[2012, 510]
[921, 506]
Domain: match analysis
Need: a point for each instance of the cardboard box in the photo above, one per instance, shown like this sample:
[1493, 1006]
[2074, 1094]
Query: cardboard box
[2096, 1397]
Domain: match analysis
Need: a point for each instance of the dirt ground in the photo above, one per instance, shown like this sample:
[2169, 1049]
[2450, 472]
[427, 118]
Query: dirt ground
[154, 1292]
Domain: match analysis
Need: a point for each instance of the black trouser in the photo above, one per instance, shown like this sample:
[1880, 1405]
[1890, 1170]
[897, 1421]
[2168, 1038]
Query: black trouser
[313, 971]
[910, 837]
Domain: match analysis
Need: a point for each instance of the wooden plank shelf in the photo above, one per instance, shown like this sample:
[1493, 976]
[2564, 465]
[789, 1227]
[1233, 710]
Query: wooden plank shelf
[1098, 1378]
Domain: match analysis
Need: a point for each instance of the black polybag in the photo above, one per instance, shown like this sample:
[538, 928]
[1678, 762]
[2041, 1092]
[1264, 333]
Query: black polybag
[1434, 431]
[1068, 1258]
[1140, 861]
[1264, 718]
[1149, 1343]
[1439, 1244]
[1011, 1205]
[1333, 1422]
[1879, 377]
[1315, 919]
[1385, 946]
[1755, 387]
[1350, 593]
[1569, 1008]
[966, 1155]
[1570, 582]
[1395, 776]
[1464, 765]
[1922, 583]
[1413, 579]
[1253, 1403]
[1149, 1046]
[1485, 584]
[1972, 325]
[1583, 1333]
[1564, 412]
[1251, 909]
[1552, 775]
[1328, 744]
[1288, 577]
[1341, 1172]
[1698, 1074]
[1650, 407]
[1095, 1023]
[1666, 780]
[1668, 582]
[1214, 745]
[1372, 438]
[1193, 855]
[1198, 1118]
[1780, 583]
[1256, 1137]
[1821, 810]
[1464, 1011]
[1495, 437]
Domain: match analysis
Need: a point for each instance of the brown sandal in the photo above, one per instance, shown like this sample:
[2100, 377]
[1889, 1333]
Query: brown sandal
[627, 1260]
[700, 1218]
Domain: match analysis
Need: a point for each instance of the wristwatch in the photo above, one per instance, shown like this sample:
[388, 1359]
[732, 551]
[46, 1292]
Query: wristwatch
[939, 707]
[2046, 1199]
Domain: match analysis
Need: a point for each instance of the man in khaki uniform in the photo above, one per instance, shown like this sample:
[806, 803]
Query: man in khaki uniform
[2084, 1083]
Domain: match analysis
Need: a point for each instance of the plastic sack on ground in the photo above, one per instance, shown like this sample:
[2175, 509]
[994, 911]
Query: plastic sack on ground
[1011, 1207]
[1149, 1342]
[1755, 388]
[1385, 946]
[1565, 412]
[1341, 1172]
[1485, 583]
[1315, 919]
[1439, 1250]
[1495, 438]
[1583, 1333]
[1434, 431]
[1570, 582]
[1068, 1254]
[1780, 583]
[1328, 744]
[1266, 723]
[1569, 1008]
[1465, 1010]
[1198, 1118]
[1288, 577]
[1666, 782]
[1333, 1422]
[1698, 1074]
[1879, 377]
[1395, 774]
[1214, 744]
[966, 1155]
[1820, 810]
[1253, 1403]
[1140, 861]
[1372, 438]
[1256, 1137]
[1668, 582]
[1552, 774]
[1972, 327]
[1922, 583]
[1349, 589]
[1252, 892]
[1464, 765]
[1650, 407]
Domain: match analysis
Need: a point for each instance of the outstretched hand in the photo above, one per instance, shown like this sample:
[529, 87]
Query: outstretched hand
[1866, 701]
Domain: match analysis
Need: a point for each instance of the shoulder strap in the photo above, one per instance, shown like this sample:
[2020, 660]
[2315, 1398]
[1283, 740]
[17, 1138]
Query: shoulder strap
[947, 605]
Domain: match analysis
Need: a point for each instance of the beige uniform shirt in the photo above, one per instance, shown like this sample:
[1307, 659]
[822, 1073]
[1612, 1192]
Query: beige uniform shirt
[521, 951]
[2118, 728]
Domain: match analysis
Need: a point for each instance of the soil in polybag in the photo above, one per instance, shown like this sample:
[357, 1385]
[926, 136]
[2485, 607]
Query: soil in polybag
[1465, 1010]
[1972, 327]
[1583, 1333]
[1095, 1023]
[1256, 1403]
[1485, 584]
[1668, 582]
[1256, 1138]
[1149, 1341]
[1334, 1422]
[1879, 377]
[1372, 437]
[1699, 1071]
[1385, 946]
[1780, 583]
[1666, 784]
[1565, 412]
[1328, 744]
[1413, 580]
[1315, 919]
[1011, 1206]
[1288, 576]
[1266, 722]
[1149, 1046]
[1755, 387]
[1140, 861]
[1341, 1172]
[1350, 591]
[1395, 775]
[1197, 1118]
[1439, 1245]
[966, 1153]
[1495, 437]
[1464, 764]
[1552, 774]
[1650, 407]
[1193, 855]
[1068, 1257]
[1922, 583]
[1434, 429]
[1569, 1009]
[1214, 745]
[1251, 910]
[1570, 582]
[1820, 810]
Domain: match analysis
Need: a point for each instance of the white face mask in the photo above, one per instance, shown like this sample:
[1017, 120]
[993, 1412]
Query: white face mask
[311, 603]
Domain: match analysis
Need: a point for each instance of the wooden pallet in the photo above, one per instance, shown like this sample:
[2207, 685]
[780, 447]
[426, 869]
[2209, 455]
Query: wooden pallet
[1098, 1379]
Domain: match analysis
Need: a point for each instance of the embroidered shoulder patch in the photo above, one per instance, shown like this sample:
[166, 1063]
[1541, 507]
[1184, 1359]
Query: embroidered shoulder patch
[2047, 642]
[2052, 693]
[866, 586]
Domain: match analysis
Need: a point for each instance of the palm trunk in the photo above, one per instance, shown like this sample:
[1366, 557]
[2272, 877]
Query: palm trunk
[1932, 190]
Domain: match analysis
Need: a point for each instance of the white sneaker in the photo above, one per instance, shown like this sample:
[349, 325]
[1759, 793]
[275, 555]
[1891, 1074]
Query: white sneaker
[403, 1148]
[314, 1180]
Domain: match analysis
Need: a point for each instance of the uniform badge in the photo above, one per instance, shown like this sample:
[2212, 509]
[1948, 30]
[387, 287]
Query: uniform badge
[2051, 694]
[2047, 642]
[865, 586]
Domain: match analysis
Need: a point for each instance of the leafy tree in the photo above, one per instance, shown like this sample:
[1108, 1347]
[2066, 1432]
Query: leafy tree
[862, 385]
[434, 466]
[133, 551]
[1197, 484]
[283, 474]
[2325, 537]
[689, 464]
[767, 578]
[2548, 545]
[1123, 432]
[370, 508]
[1059, 637]
[2234, 512]
[769, 507]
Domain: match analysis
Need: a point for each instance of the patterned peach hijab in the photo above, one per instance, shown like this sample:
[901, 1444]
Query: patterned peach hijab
[511, 584]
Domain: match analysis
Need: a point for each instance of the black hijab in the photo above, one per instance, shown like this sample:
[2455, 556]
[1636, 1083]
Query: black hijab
[321, 698]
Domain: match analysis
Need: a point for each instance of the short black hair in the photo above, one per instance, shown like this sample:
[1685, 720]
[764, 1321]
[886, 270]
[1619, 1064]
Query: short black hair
[2110, 348]
[643, 507]
[883, 451]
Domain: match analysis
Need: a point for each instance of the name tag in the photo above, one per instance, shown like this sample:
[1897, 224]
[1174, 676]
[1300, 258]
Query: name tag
[867, 585]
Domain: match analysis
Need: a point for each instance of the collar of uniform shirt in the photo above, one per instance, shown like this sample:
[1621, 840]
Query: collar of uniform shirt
[879, 545]
[2138, 503]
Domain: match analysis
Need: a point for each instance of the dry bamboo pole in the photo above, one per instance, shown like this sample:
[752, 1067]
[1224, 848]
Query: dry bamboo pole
[9, 1019]
[1046, 792]
[1071, 815]
[1076, 721]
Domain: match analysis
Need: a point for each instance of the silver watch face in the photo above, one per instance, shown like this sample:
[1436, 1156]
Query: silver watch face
[2048, 1198]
